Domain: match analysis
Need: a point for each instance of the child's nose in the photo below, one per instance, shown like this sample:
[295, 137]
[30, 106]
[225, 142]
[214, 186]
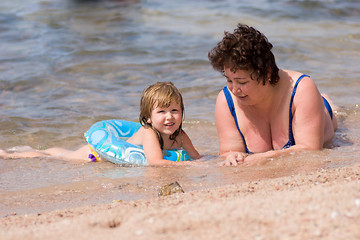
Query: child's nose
[169, 115]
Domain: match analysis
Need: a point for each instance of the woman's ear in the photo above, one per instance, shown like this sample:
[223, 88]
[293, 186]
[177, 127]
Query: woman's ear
[149, 121]
[269, 74]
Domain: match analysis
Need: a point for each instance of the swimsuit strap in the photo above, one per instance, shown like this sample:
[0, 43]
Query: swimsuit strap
[328, 107]
[230, 103]
[291, 136]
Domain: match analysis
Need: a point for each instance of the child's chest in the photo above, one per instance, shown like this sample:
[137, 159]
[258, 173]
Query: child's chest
[173, 144]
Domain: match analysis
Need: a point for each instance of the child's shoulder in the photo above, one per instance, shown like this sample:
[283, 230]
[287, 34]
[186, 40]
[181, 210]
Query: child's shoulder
[180, 138]
[141, 135]
[147, 132]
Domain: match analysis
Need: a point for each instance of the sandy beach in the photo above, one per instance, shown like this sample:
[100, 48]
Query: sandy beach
[322, 204]
[66, 65]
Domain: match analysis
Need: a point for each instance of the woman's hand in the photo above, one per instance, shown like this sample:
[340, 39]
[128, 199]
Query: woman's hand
[237, 158]
[257, 159]
[233, 158]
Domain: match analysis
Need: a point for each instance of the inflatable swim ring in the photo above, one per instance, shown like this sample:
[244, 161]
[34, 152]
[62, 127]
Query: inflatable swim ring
[107, 139]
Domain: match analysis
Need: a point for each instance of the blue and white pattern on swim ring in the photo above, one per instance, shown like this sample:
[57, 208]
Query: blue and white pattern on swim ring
[108, 139]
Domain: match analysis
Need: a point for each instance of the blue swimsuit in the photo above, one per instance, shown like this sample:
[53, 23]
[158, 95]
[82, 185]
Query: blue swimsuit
[291, 141]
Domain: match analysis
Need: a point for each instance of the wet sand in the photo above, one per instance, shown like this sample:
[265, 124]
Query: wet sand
[323, 204]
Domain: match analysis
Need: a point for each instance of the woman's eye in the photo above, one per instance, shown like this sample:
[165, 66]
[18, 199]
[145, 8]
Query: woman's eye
[175, 110]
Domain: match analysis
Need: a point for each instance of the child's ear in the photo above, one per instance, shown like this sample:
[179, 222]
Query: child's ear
[149, 121]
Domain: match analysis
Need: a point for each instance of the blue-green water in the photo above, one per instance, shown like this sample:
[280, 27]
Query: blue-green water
[66, 64]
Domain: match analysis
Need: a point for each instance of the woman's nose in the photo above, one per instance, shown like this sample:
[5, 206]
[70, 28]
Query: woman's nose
[236, 88]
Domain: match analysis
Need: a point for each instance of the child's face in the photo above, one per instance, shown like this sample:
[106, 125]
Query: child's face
[166, 120]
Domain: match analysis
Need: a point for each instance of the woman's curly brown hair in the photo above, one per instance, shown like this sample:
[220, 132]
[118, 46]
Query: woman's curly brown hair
[246, 49]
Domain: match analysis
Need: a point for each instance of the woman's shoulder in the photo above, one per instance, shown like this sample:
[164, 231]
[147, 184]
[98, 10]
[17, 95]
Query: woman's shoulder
[291, 78]
[291, 75]
[221, 97]
[306, 88]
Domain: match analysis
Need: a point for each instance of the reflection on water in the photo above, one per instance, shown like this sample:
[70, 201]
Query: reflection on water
[65, 65]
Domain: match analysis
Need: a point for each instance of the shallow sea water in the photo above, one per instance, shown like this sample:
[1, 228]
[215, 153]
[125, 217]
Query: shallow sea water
[65, 65]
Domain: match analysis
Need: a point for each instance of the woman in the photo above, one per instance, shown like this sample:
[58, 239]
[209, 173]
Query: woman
[265, 110]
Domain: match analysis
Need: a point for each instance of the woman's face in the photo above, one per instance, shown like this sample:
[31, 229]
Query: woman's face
[247, 91]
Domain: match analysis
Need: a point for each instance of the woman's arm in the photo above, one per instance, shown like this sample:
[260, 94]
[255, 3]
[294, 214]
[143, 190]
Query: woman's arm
[309, 118]
[232, 147]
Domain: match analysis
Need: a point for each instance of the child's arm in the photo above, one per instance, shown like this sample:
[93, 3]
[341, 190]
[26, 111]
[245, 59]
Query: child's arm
[80, 154]
[189, 147]
[153, 151]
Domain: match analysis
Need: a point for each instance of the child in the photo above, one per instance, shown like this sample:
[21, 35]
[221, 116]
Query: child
[161, 115]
